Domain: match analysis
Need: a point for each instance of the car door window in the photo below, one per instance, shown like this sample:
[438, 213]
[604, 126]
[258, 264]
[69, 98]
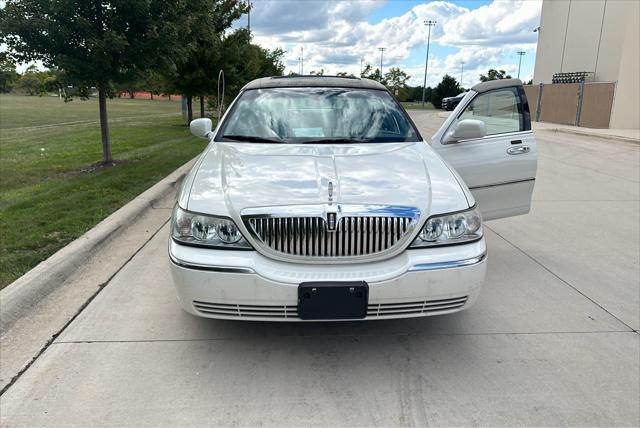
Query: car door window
[500, 110]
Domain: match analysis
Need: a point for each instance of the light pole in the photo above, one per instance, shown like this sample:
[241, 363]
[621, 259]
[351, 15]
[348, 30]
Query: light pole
[301, 61]
[361, 60]
[461, 71]
[249, 15]
[381, 56]
[520, 53]
[429, 23]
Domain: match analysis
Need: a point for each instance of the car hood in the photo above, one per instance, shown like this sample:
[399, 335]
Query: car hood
[234, 176]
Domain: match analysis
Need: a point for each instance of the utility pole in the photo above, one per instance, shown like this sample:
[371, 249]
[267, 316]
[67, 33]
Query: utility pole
[301, 61]
[381, 56]
[361, 60]
[429, 23]
[249, 16]
[461, 71]
[520, 53]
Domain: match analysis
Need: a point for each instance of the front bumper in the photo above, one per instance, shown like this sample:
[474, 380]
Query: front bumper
[249, 286]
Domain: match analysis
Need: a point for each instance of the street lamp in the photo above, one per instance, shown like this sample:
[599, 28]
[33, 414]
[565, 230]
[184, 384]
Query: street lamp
[461, 71]
[520, 53]
[381, 56]
[429, 23]
[249, 6]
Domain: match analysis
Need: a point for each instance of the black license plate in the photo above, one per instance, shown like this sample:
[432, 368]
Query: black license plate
[333, 300]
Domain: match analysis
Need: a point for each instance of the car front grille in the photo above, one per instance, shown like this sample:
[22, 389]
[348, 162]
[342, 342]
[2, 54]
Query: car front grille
[310, 237]
[290, 312]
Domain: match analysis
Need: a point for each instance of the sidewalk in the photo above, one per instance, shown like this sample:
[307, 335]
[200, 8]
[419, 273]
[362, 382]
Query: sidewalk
[629, 135]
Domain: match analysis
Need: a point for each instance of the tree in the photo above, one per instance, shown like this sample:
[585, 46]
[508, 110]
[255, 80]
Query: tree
[448, 87]
[243, 61]
[396, 82]
[494, 75]
[369, 73]
[196, 73]
[344, 74]
[97, 43]
[29, 83]
[8, 74]
[414, 93]
[155, 83]
[37, 82]
[317, 73]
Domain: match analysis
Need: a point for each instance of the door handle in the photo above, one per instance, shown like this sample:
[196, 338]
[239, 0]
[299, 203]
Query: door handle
[518, 150]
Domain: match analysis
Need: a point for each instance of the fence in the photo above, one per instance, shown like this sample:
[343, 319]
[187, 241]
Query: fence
[579, 104]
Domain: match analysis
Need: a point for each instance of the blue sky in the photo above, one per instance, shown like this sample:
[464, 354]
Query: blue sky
[337, 35]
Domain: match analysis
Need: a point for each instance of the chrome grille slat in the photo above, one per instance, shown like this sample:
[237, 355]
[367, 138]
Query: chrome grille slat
[353, 236]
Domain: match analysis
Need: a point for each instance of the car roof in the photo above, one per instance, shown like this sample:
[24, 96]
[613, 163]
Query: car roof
[496, 84]
[313, 81]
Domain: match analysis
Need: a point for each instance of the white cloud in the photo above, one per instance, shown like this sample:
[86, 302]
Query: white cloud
[500, 22]
[335, 35]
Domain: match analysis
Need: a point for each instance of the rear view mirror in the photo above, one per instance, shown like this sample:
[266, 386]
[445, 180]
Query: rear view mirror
[201, 127]
[467, 129]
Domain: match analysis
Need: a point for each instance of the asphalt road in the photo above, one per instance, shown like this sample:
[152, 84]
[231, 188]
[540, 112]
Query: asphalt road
[552, 340]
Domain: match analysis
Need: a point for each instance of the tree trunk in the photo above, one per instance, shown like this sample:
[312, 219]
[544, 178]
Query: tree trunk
[169, 97]
[201, 106]
[151, 93]
[104, 128]
[189, 109]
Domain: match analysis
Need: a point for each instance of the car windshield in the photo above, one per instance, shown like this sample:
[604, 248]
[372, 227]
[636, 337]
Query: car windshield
[317, 115]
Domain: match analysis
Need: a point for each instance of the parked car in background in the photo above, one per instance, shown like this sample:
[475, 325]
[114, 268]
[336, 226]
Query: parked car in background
[450, 103]
[318, 199]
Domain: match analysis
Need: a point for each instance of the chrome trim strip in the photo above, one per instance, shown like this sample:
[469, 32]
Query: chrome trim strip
[504, 183]
[223, 269]
[448, 265]
[319, 210]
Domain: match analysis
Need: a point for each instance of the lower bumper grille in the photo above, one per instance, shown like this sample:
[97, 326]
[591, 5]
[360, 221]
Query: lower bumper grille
[419, 307]
[246, 311]
[284, 312]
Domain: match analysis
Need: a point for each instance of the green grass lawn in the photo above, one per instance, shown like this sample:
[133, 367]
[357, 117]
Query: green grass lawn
[50, 190]
[417, 105]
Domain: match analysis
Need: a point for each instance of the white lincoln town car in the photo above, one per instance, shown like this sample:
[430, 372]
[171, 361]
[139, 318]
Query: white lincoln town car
[318, 199]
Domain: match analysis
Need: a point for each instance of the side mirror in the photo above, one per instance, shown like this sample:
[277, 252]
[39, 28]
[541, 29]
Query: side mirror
[466, 129]
[201, 127]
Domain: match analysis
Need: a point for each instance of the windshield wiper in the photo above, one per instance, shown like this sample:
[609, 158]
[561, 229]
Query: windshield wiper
[253, 139]
[336, 141]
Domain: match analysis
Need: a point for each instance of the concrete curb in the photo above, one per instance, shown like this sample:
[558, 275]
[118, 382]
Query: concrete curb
[592, 134]
[24, 293]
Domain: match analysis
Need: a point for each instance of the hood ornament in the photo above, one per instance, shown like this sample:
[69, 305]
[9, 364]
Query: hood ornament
[331, 215]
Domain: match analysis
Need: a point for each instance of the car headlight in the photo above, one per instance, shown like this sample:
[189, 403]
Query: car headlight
[207, 231]
[447, 229]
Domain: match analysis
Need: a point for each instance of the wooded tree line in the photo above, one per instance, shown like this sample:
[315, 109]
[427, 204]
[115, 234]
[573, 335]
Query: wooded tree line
[107, 46]
[396, 81]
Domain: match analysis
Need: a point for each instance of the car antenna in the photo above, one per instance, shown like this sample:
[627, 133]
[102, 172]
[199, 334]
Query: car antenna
[220, 100]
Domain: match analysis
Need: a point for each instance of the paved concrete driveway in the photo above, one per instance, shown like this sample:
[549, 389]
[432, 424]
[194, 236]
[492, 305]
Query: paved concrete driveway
[551, 340]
